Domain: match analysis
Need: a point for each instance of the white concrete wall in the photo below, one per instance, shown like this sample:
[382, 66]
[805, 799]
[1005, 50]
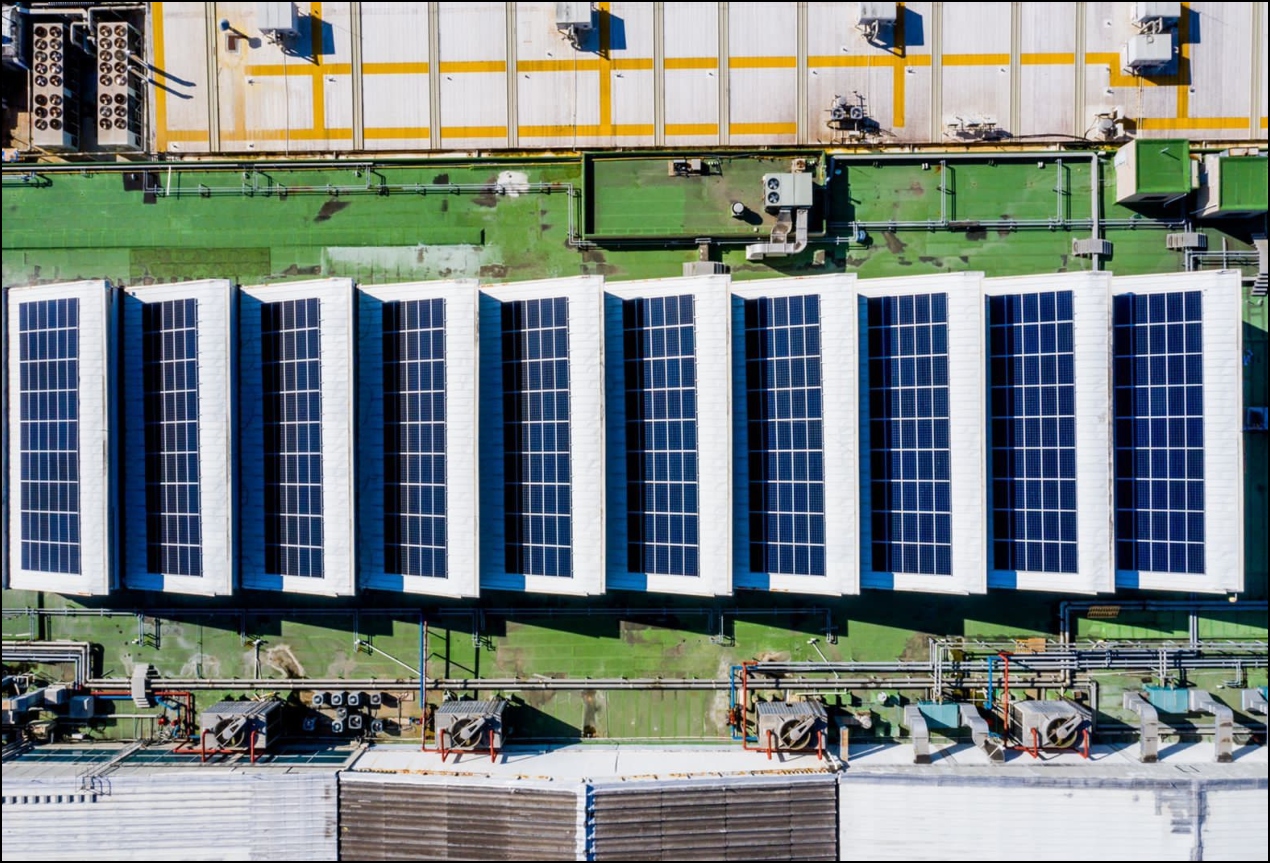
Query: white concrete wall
[217, 418]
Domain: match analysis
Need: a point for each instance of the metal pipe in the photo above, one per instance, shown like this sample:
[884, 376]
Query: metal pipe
[1095, 205]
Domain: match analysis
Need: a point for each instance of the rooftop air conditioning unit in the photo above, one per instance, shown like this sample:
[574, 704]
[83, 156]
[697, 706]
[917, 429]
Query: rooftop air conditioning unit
[1048, 724]
[1147, 52]
[1089, 248]
[55, 118]
[786, 191]
[1186, 240]
[229, 724]
[574, 21]
[1155, 17]
[120, 105]
[470, 725]
[277, 21]
[791, 725]
[875, 17]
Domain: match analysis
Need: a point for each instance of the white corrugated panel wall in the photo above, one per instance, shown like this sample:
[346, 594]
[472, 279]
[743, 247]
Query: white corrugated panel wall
[173, 816]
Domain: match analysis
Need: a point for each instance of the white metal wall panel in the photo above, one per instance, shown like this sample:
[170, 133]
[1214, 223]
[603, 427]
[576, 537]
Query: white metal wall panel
[396, 99]
[177, 36]
[1223, 430]
[842, 62]
[586, 436]
[339, 416]
[1221, 64]
[714, 435]
[461, 399]
[209, 814]
[691, 49]
[1132, 820]
[976, 64]
[1091, 326]
[838, 368]
[473, 72]
[966, 434]
[558, 90]
[763, 75]
[217, 432]
[631, 81]
[1047, 82]
[98, 471]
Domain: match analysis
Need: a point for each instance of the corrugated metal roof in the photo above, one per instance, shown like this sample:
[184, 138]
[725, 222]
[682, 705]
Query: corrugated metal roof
[173, 815]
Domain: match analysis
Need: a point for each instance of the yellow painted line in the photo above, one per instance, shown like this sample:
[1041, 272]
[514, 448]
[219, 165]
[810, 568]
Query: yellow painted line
[384, 132]
[193, 136]
[851, 61]
[917, 60]
[319, 81]
[473, 66]
[160, 95]
[632, 130]
[692, 128]
[268, 70]
[557, 131]
[976, 59]
[395, 68]
[473, 131]
[557, 65]
[1050, 58]
[1120, 79]
[899, 107]
[1169, 124]
[606, 69]
[692, 62]
[632, 64]
[289, 135]
[763, 129]
[763, 62]
[1263, 122]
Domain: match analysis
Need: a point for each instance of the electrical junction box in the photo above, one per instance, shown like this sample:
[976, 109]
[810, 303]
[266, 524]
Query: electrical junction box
[1146, 52]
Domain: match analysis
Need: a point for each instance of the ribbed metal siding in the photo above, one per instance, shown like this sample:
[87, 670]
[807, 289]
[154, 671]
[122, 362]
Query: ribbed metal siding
[737, 821]
[173, 816]
[400, 821]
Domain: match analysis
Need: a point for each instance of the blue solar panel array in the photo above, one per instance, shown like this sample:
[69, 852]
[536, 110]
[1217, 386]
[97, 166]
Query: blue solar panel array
[292, 371]
[174, 541]
[1159, 431]
[661, 434]
[48, 369]
[414, 437]
[1032, 394]
[908, 428]
[538, 495]
[786, 435]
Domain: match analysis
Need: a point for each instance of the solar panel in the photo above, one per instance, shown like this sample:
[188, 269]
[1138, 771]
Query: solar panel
[1159, 431]
[908, 428]
[661, 434]
[174, 542]
[538, 499]
[48, 369]
[786, 435]
[414, 437]
[1033, 431]
[292, 373]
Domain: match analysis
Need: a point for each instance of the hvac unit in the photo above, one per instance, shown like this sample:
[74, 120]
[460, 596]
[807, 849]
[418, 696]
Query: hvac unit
[1047, 724]
[17, 38]
[375, 699]
[82, 707]
[466, 726]
[785, 191]
[229, 724]
[1256, 419]
[319, 699]
[56, 71]
[56, 695]
[1232, 186]
[574, 21]
[277, 21]
[791, 725]
[1146, 53]
[1154, 17]
[335, 698]
[1089, 248]
[353, 699]
[876, 17]
[337, 726]
[355, 721]
[120, 105]
[1185, 241]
